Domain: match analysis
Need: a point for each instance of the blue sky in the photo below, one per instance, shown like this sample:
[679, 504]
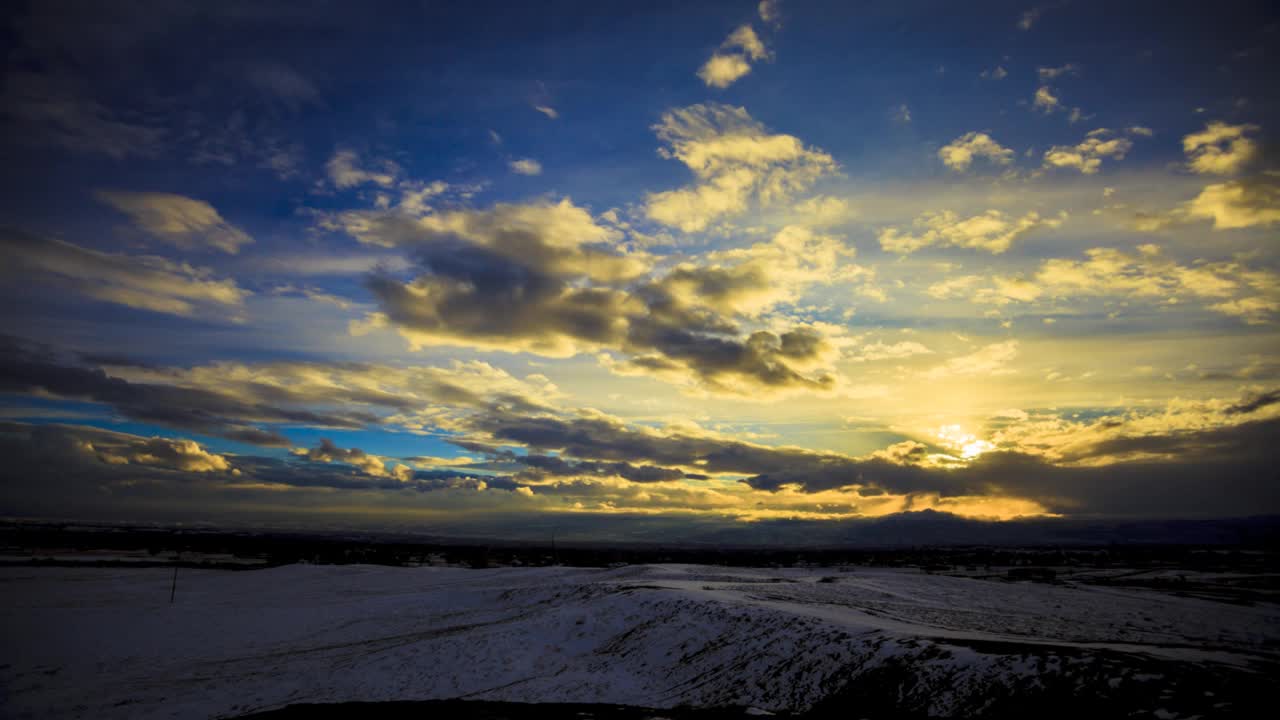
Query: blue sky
[969, 257]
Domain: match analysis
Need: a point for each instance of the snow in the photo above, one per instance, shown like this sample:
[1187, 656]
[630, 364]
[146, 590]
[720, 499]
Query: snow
[105, 642]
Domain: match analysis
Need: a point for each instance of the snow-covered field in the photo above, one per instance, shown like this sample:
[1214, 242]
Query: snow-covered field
[103, 643]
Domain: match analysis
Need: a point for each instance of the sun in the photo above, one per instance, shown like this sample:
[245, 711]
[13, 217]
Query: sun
[968, 446]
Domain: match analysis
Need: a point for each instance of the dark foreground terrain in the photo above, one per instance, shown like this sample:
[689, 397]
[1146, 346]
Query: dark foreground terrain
[643, 641]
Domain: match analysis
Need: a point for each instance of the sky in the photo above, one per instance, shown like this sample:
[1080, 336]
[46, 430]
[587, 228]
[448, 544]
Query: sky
[640, 269]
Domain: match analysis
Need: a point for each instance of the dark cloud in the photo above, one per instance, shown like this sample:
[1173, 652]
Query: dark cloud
[26, 368]
[1255, 401]
[550, 465]
[1223, 471]
[479, 294]
[72, 467]
[1227, 470]
[319, 474]
[484, 284]
[56, 469]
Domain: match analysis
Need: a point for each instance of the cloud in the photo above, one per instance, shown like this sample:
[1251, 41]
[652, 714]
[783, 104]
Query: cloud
[548, 111]
[822, 210]
[525, 166]
[284, 84]
[121, 449]
[873, 352]
[61, 468]
[735, 160]
[345, 172]
[721, 71]
[184, 455]
[1028, 461]
[1252, 201]
[1087, 156]
[543, 278]
[993, 231]
[502, 279]
[750, 280]
[1051, 73]
[1045, 100]
[960, 153]
[1229, 287]
[313, 293]
[144, 282]
[1145, 463]
[537, 468]
[181, 221]
[745, 39]
[326, 451]
[769, 12]
[559, 237]
[232, 399]
[284, 162]
[1254, 310]
[996, 73]
[1220, 149]
[732, 60]
[1028, 18]
[987, 361]
[952, 287]
[54, 109]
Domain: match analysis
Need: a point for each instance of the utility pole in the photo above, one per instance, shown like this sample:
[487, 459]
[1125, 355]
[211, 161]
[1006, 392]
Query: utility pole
[173, 587]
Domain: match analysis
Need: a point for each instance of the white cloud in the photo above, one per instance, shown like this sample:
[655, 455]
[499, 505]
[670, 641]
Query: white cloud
[547, 110]
[1087, 156]
[345, 171]
[1220, 149]
[993, 231]
[996, 73]
[179, 454]
[1045, 100]
[1247, 202]
[1238, 203]
[1028, 18]
[731, 61]
[735, 160]
[1254, 310]
[952, 287]
[1050, 73]
[822, 210]
[872, 352]
[178, 220]
[1229, 287]
[525, 166]
[769, 12]
[960, 153]
[990, 360]
[721, 71]
[746, 40]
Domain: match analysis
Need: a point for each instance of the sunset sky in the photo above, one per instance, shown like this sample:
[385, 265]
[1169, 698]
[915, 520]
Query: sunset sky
[478, 267]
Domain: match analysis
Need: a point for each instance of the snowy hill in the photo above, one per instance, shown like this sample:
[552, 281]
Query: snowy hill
[105, 643]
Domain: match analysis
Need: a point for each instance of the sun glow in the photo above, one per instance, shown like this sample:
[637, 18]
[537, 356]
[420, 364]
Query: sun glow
[969, 446]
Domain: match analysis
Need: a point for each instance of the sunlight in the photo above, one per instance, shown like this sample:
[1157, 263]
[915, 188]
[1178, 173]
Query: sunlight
[969, 446]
